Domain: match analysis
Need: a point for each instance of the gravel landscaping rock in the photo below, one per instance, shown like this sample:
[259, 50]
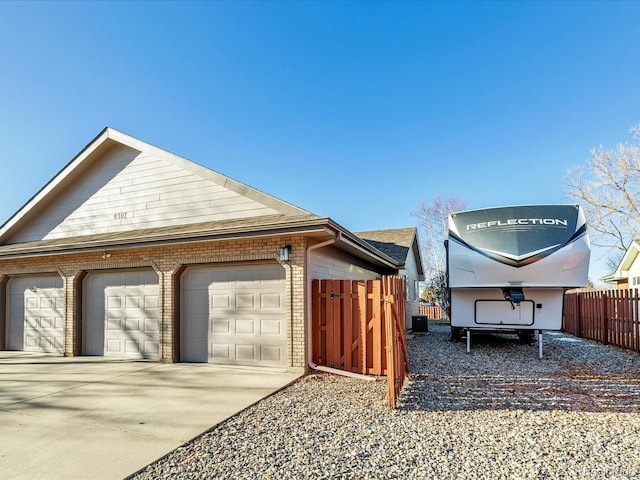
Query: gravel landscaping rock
[498, 412]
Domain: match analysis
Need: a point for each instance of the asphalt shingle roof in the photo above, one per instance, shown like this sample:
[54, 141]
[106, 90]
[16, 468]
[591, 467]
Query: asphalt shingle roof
[395, 243]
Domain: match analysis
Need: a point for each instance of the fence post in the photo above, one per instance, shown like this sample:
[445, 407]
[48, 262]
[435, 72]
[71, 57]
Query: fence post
[316, 334]
[636, 325]
[605, 318]
[363, 315]
[578, 324]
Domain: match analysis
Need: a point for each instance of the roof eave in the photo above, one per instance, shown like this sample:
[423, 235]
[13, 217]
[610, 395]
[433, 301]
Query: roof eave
[358, 245]
[84, 246]
[318, 226]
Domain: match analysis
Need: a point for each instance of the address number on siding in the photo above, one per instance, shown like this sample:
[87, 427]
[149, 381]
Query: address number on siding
[120, 215]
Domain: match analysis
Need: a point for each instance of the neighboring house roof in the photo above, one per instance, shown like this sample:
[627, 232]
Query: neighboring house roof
[396, 243]
[171, 199]
[628, 259]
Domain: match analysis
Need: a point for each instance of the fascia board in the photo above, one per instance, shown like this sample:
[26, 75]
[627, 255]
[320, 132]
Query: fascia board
[417, 251]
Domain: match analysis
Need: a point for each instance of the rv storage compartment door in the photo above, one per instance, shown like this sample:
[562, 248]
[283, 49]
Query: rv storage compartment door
[502, 312]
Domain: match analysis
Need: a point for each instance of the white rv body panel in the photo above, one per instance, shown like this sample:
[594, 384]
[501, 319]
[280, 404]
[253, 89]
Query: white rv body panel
[486, 308]
[508, 267]
[566, 268]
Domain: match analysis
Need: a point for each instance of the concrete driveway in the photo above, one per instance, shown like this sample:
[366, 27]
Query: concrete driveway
[102, 418]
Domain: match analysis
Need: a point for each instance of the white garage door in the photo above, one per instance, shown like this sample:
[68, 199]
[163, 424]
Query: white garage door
[234, 315]
[120, 316]
[35, 314]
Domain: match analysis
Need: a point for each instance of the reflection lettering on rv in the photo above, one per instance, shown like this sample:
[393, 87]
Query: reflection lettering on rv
[556, 222]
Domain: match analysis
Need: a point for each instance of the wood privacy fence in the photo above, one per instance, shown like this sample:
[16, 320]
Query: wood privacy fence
[607, 316]
[432, 312]
[359, 326]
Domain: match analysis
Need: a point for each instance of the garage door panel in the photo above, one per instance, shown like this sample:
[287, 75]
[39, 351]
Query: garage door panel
[113, 346]
[272, 353]
[50, 322]
[31, 343]
[271, 327]
[47, 303]
[151, 325]
[221, 302]
[198, 327]
[246, 314]
[195, 349]
[132, 347]
[133, 325]
[223, 275]
[122, 314]
[246, 326]
[114, 302]
[132, 303]
[114, 324]
[151, 303]
[222, 326]
[246, 353]
[245, 300]
[242, 275]
[35, 314]
[271, 300]
[196, 304]
[198, 280]
[220, 353]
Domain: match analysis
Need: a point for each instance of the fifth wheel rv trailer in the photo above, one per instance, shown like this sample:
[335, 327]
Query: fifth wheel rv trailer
[508, 267]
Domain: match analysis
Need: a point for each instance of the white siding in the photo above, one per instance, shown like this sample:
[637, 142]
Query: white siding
[128, 190]
[634, 273]
[412, 276]
[329, 263]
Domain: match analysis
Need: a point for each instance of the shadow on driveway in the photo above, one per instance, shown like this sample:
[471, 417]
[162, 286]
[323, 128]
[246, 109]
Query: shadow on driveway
[100, 418]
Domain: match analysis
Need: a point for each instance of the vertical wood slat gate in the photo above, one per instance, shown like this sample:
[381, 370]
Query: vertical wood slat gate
[358, 326]
[394, 318]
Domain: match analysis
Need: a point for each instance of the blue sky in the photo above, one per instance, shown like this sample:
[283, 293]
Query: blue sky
[352, 110]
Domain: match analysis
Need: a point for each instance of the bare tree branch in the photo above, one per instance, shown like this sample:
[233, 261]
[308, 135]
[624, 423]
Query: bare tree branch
[607, 188]
[432, 218]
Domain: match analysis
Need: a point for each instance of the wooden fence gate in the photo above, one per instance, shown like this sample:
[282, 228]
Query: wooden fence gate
[359, 326]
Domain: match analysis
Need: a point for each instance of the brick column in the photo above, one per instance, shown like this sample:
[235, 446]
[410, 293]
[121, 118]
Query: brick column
[296, 281]
[72, 284]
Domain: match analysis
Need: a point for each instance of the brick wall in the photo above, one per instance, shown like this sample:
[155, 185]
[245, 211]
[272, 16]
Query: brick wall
[169, 262]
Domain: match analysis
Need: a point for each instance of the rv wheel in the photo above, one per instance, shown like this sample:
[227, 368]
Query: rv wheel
[454, 334]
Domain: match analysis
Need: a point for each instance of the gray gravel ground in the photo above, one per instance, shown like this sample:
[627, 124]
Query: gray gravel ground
[497, 413]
